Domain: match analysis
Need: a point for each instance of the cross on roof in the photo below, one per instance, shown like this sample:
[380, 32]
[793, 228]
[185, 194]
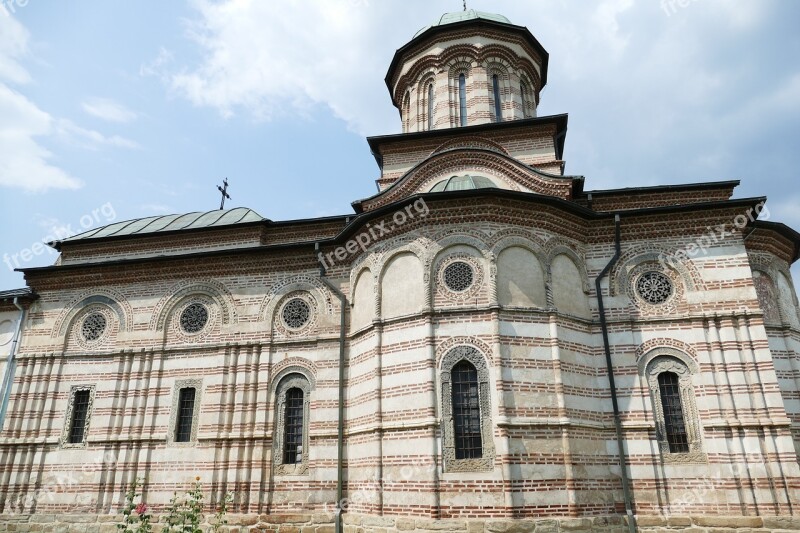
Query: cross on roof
[465, 5]
[224, 193]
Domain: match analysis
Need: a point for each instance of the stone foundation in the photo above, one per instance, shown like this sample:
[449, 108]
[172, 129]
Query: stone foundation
[355, 523]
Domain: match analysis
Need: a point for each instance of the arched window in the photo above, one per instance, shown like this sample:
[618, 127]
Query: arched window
[430, 106]
[668, 373]
[462, 98]
[498, 105]
[523, 92]
[293, 427]
[674, 423]
[290, 442]
[407, 112]
[466, 412]
[468, 444]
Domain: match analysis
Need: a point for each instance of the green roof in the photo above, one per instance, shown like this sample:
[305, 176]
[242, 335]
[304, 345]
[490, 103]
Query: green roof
[461, 16]
[188, 221]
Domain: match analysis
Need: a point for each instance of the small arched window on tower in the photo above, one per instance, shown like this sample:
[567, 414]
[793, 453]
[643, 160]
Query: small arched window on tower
[498, 105]
[523, 92]
[430, 106]
[407, 112]
[674, 422]
[462, 99]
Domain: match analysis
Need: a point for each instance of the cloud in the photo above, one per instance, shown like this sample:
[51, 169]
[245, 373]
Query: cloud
[24, 162]
[91, 139]
[109, 110]
[263, 62]
[703, 93]
[158, 66]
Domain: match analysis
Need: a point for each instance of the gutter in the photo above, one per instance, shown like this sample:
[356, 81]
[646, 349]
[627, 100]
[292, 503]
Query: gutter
[11, 363]
[626, 491]
[340, 426]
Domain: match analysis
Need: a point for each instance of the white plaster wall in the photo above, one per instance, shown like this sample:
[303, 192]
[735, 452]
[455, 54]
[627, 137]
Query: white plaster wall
[568, 295]
[402, 291]
[520, 279]
[363, 302]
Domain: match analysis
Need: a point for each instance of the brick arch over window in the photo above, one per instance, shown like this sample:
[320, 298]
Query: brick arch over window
[485, 462]
[457, 161]
[667, 258]
[286, 382]
[278, 293]
[664, 395]
[467, 54]
[501, 69]
[115, 302]
[214, 290]
[472, 142]
[423, 107]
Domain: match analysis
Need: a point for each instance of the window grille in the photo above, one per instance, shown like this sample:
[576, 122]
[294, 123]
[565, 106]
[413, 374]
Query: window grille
[183, 425]
[293, 427]
[466, 412]
[80, 413]
[194, 318]
[458, 276]
[674, 423]
[93, 326]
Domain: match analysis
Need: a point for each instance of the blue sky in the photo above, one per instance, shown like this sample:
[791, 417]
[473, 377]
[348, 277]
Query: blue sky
[141, 108]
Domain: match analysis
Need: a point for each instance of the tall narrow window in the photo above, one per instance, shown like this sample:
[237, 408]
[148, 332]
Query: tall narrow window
[466, 412]
[498, 106]
[462, 99]
[523, 92]
[407, 113]
[185, 418]
[293, 427]
[674, 423]
[430, 106]
[80, 412]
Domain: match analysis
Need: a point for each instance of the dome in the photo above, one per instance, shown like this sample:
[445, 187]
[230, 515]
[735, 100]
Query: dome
[461, 16]
[463, 183]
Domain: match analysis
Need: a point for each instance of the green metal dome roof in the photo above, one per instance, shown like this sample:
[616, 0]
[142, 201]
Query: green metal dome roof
[461, 16]
[463, 183]
[139, 226]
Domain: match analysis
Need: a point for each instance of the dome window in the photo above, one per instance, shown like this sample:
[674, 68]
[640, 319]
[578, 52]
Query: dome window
[463, 183]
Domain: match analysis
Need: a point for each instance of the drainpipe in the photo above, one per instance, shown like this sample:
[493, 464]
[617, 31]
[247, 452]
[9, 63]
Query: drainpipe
[610, 368]
[11, 364]
[340, 451]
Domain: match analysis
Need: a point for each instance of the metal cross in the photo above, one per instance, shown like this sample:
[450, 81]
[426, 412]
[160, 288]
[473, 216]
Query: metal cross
[224, 193]
[465, 5]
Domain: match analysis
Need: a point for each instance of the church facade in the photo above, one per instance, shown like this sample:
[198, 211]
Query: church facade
[484, 345]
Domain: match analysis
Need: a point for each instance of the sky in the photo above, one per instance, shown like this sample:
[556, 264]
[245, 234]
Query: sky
[112, 110]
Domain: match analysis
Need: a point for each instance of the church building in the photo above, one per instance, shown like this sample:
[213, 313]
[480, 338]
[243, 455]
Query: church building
[483, 345]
